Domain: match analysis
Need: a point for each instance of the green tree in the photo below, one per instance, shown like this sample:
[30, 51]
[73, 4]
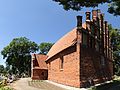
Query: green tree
[115, 40]
[17, 54]
[114, 5]
[1, 68]
[45, 47]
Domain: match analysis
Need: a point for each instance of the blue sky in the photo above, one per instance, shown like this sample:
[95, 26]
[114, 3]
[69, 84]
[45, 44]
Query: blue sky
[39, 20]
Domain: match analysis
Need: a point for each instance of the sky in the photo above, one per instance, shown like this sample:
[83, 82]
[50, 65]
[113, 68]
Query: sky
[40, 21]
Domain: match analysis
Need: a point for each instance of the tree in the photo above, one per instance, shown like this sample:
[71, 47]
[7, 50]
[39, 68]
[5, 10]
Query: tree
[115, 40]
[1, 68]
[17, 54]
[45, 47]
[114, 7]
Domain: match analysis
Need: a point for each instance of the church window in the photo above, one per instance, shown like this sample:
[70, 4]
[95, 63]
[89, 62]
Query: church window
[61, 62]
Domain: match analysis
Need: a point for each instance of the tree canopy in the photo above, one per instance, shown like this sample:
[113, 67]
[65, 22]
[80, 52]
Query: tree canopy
[17, 54]
[1, 68]
[114, 5]
[45, 47]
[115, 40]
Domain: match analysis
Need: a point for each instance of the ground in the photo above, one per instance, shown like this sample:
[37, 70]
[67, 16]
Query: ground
[26, 84]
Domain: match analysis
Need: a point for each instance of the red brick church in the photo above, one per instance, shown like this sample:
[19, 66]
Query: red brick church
[82, 57]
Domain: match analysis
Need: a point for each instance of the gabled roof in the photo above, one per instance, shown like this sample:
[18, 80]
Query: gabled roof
[40, 58]
[66, 41]
[63, 43]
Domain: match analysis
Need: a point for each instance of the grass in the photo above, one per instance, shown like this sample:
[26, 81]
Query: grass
[114, 85]
[5, 88]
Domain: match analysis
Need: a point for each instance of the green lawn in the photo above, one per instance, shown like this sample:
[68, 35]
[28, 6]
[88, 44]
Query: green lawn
[5, 88]
[115, 85]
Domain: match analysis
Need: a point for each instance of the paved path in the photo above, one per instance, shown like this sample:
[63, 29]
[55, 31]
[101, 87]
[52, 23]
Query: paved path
[26, 84]
[22, 84]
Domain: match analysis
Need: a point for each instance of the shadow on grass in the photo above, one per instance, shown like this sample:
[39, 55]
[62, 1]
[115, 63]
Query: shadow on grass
[115, 85]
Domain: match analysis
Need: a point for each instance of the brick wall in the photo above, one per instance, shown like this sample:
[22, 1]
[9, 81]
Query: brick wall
[79, 74]
[39, 74]
[92, 69]
[69, 75]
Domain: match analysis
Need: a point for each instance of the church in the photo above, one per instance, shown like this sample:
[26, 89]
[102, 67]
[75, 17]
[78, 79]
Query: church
[82, 57]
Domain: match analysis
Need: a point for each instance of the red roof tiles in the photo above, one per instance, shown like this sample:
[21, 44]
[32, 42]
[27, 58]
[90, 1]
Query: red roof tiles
[41, 61]
[65, 42]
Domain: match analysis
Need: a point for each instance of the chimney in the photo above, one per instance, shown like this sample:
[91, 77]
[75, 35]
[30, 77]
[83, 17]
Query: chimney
[87, 16]
[94, 15]
[109, 47]
[33, 56]
[79, 22]
[99, 12]
[102, 16]
[107, 38]
[106, 27]
[102, 32]
[99, 23]
[108, 44]
[88, 21]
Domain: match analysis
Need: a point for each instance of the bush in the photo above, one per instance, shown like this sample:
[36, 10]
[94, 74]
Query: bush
[3, 83]
[5, 88]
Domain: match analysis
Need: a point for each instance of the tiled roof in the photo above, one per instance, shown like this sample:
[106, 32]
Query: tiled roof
[63, 43]
[66, 41]
[41, 61]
